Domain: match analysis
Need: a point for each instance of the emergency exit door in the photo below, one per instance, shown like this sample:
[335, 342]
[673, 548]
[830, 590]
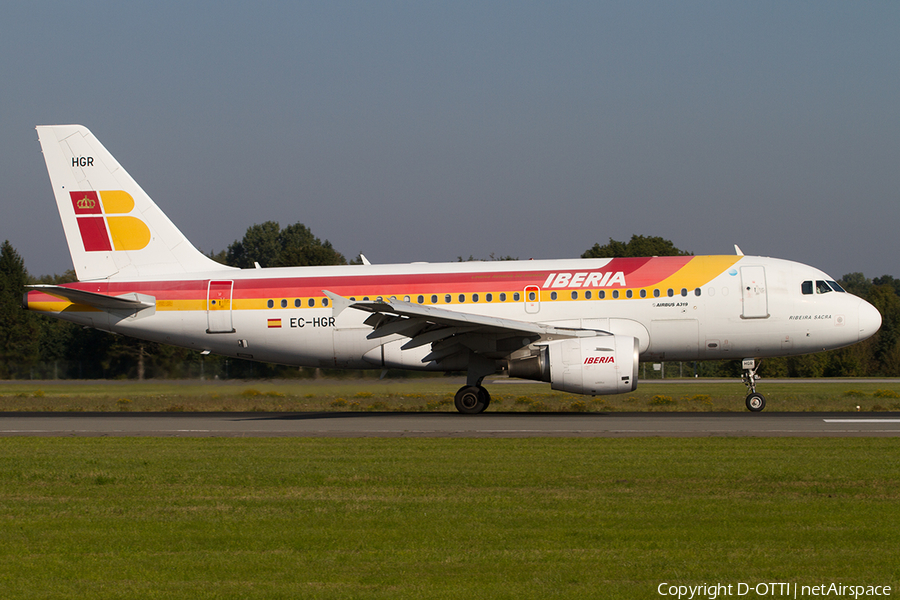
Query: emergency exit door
[532, 299]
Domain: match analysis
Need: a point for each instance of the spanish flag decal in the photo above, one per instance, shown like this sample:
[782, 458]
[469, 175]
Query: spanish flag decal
[104, 222]
[274, 323]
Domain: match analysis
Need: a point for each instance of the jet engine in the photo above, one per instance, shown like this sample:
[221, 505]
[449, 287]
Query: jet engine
[605, 364]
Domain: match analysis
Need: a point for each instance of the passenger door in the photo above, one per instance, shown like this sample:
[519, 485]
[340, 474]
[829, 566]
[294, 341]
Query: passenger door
[218, 307]
[753, 293]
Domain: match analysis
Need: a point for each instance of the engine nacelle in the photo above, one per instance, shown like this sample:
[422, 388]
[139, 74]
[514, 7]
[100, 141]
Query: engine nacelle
[606, 364]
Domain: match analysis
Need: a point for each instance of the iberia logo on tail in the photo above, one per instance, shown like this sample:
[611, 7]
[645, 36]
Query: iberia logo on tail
[104, 224]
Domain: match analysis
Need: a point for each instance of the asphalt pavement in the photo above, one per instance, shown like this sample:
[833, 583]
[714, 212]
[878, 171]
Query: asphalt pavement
[487, 425]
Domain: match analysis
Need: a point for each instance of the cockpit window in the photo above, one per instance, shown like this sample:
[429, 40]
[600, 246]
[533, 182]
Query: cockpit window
[822, 287]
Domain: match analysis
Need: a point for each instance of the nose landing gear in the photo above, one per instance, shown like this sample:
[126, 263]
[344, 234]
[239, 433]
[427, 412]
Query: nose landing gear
[755, 401]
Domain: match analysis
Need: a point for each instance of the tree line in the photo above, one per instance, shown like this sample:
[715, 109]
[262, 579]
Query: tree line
[36, 347]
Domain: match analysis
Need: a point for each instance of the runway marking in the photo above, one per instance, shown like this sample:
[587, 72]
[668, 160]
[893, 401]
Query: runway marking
[861, 420]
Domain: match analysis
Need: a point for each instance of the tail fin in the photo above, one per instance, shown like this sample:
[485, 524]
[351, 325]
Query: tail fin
[112, 226]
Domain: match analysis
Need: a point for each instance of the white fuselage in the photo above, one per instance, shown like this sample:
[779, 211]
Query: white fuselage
[269, 317]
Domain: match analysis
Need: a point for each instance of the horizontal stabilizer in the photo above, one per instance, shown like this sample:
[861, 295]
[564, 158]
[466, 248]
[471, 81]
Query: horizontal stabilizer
[100, 301]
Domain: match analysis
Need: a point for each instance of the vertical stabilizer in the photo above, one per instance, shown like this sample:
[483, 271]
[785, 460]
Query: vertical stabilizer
[112, 226]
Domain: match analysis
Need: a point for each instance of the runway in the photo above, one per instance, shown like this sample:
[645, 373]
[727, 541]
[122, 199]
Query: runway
[444, 425]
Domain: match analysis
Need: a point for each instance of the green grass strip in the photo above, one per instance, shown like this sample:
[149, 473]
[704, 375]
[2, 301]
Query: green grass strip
[436, 395]
[441, 518]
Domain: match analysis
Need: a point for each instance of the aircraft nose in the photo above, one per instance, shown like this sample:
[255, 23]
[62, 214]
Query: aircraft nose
[869, 320]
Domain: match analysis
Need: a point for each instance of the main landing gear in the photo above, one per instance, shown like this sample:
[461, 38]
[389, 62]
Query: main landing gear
[755, 401]
[472, 399]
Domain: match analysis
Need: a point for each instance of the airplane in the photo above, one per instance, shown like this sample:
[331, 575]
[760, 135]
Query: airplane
[583, 325]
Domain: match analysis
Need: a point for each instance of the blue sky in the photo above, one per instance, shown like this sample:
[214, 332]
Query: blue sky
[417, 131]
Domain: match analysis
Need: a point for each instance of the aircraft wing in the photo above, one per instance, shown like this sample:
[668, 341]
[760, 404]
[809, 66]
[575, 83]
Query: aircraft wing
[100, 301]
[450, 331]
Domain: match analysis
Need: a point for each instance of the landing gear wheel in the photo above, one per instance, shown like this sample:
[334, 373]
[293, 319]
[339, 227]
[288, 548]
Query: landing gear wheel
[756, 402]
[472, 399]
[487, 397]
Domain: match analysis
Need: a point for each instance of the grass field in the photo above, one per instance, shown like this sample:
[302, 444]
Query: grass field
[437, 518]
[434, 394]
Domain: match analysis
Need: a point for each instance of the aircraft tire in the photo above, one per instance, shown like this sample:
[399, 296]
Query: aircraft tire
[756, 402]
[472, 399]
[486, 395]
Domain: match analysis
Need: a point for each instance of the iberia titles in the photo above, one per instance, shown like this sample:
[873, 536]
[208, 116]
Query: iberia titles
[583, 280]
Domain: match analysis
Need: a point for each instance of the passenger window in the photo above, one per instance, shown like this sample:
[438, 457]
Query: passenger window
[553, 295]
[447, 298]
[575, 295]
[628, 294]
[462, 297]
[434, 298]
[516, 296]
[532, 297]
[270, 303]
[822, 287]
[670, 293]
[474, 297]
[601, 294]
[587, 295]
[421, 299]
[615, 293]
[656, 293]
[502, 296]
[324, 301]
[643, 293]
[489, 297]
[297, 302]
[697, 291]
[311, 302]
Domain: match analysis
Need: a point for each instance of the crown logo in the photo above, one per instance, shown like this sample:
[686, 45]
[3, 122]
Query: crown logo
[86, 203]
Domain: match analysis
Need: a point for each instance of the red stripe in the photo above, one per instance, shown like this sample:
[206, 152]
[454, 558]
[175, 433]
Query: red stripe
[639, 272]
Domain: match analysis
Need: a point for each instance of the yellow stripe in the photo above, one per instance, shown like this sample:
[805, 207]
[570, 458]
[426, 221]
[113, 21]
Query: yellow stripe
[57, 307]
[698, 272]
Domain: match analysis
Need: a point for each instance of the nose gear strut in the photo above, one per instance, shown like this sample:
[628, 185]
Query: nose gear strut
[755, 401]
